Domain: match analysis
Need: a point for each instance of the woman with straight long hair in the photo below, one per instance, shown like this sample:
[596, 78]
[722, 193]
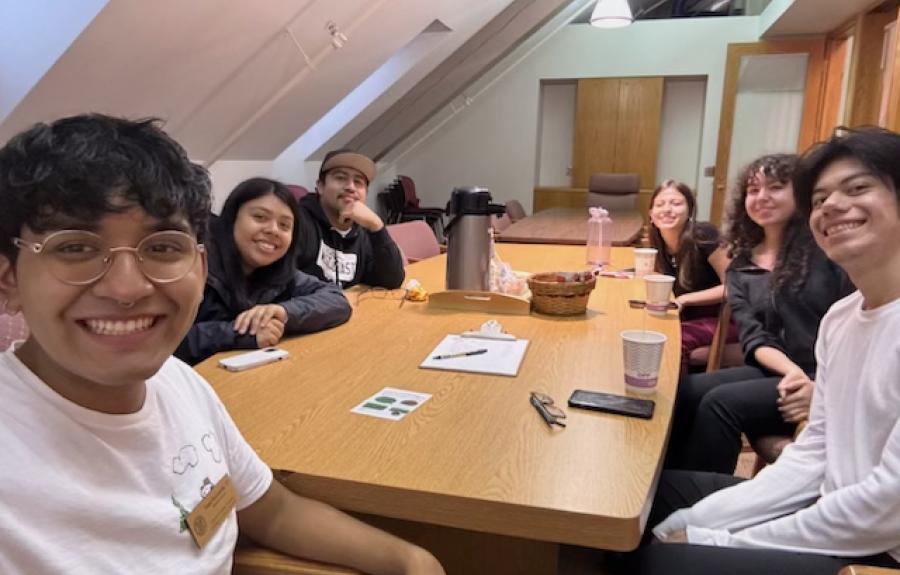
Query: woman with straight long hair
[254, 293]
[690, 252]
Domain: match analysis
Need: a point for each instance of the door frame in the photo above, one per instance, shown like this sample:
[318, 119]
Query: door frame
[812, 102]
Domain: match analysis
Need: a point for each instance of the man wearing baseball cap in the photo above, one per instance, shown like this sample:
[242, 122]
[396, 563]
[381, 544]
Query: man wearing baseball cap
[341, 239]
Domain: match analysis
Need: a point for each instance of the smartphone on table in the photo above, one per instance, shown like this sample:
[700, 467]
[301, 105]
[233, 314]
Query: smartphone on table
[611, 403]
[254, 358]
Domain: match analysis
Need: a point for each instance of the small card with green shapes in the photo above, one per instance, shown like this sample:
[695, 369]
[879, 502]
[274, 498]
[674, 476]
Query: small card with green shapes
[391, 403]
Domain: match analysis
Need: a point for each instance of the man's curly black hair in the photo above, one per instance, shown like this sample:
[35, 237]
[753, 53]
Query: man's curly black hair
[82, 167]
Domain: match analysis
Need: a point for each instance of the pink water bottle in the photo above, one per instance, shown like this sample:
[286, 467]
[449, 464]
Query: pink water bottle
[599, 242]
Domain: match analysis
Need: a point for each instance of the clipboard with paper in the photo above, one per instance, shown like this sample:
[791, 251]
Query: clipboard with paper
[488, 350]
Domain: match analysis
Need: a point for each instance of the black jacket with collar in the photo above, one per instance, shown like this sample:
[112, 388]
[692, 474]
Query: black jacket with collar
[377, 258]
[312, 305]
[785, 320]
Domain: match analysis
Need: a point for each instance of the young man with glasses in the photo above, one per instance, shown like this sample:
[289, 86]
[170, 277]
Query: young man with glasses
[341, 239]
[117, 457]
[833, 496]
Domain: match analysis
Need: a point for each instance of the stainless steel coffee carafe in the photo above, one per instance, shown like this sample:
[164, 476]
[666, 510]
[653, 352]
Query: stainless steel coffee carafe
[469, 239]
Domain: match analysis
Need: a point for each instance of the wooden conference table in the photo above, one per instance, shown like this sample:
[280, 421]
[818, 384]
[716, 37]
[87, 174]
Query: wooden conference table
[474, 474]
[569, 226]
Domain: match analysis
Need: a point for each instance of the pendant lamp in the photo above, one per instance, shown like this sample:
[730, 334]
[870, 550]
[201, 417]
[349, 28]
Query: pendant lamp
[612, 14]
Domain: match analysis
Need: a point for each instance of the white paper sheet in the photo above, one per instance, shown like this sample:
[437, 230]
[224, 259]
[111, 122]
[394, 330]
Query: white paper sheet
[502, 357]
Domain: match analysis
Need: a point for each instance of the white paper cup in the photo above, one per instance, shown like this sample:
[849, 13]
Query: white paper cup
[644, 258]
[643, 354]
[659, 292]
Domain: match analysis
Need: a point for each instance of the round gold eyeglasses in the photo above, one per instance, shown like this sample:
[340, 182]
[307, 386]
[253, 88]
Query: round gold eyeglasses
[79, 257]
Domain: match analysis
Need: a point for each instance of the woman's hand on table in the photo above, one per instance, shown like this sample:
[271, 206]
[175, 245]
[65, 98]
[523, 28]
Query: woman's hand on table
[258, 316]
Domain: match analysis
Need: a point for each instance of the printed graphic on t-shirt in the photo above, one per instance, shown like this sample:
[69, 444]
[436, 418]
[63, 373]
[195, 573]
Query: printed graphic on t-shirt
[200, 469]
[345, 264]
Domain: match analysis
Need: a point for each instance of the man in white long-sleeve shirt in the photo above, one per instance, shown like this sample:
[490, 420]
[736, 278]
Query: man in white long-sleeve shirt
[833, 497]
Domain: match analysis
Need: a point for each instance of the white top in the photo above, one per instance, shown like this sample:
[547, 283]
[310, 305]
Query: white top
[836, 490]
[89, 492]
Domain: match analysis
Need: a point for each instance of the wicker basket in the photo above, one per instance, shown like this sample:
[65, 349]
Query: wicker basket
[561, 293]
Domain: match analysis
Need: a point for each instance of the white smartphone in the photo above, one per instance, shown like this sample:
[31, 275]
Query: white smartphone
[254, 358]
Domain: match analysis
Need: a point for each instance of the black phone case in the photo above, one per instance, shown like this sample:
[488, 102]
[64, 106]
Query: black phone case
[609, 403]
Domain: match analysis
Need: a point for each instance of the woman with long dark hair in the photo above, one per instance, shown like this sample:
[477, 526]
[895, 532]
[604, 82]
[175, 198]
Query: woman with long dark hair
[254, 294]
[779, 285]
[690, 252]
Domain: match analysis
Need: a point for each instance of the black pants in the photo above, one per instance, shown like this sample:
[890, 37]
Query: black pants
[713, 409]
[679, 489]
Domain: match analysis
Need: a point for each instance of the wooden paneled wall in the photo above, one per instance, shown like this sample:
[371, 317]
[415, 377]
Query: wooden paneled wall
[838, 51]
[864, 98]
[617, 126]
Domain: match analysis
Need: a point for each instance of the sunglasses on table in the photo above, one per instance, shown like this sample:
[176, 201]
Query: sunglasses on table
[544, 405]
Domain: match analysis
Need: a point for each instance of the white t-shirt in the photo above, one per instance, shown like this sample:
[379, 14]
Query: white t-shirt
[89, 492]
[335, 264]
[836, 490]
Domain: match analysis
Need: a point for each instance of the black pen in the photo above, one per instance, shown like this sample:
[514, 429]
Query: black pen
[460, 354]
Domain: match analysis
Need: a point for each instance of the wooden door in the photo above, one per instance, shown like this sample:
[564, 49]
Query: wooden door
[617, 125]
[815, 50]
[596, 111]
[638, 126]
[835, 91]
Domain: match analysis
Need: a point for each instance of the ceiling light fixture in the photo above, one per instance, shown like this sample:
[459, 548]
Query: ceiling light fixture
[612, 14]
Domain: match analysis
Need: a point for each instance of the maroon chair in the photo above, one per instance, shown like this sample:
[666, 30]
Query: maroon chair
[298, 191]
[412, 210]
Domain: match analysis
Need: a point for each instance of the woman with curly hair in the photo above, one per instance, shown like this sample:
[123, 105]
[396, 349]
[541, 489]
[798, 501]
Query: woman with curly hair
[690, 252]
[779, 285]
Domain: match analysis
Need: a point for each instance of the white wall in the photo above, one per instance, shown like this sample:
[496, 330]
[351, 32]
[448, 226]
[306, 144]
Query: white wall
[493, 141]
[226, 175]
[557, 133]
[681, 134]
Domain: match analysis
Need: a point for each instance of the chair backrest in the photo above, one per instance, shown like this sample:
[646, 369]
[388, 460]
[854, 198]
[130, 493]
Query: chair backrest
[409, 191]
[415, 239]
[515, 211]
[383, 205]
[12, 328]
[501, 222]
[396, 201]
[615, 192]
[614, 184]
[717, 347]
[298, 191]
[613, 202]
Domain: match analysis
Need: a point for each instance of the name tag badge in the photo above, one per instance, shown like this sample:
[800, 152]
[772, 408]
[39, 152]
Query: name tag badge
[212, 511]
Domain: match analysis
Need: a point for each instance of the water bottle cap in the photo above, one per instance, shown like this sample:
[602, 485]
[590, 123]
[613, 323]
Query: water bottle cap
[597, 212]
